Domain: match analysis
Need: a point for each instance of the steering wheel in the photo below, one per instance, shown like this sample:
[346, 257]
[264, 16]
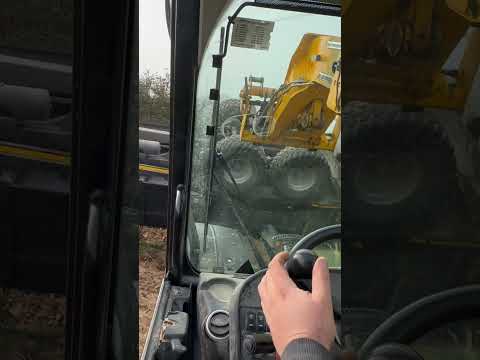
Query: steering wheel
[246, 295]
[426, 314]
[317, 237]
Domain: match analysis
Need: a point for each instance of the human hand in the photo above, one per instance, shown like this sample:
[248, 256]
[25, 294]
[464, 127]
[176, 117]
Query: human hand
[292, 313]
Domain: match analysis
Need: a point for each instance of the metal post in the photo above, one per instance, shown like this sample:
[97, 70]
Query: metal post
[213, 142]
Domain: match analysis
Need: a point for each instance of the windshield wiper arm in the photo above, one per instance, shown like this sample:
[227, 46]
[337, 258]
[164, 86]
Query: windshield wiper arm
[260, 262]
[224, 163]
[213, 141]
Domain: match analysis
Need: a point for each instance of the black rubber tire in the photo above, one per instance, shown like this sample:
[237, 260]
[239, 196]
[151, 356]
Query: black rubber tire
[321, 188]
[375, 132]
[232, 148]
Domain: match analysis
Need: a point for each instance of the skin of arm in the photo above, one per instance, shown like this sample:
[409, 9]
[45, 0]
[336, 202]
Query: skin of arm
[294, 314]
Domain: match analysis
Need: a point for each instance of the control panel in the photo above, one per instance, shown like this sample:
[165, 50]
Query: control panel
[254, 321]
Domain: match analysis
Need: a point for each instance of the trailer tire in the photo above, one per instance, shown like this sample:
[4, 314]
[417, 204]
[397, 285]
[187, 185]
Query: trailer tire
[301, 175]
[246, 164]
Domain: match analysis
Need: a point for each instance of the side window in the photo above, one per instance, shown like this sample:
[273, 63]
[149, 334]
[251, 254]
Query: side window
[154, 145]
[36, 56]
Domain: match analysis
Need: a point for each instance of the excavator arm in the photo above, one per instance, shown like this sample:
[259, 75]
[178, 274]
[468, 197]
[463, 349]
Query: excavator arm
[299, 113]
[299, 119]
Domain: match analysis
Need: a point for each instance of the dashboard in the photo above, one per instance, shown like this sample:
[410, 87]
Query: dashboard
[230, 318]
[231, 324]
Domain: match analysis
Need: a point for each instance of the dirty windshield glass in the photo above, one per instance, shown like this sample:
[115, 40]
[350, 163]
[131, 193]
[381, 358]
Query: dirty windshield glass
[265, 171]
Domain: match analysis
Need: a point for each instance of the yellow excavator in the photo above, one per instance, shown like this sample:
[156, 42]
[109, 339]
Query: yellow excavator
[299, 112]
[296, 126]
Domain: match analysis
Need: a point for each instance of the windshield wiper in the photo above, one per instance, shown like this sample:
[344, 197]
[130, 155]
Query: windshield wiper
[212, 131]
[246, 232]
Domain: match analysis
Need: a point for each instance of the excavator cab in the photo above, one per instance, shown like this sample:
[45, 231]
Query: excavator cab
[398, 225]
[235, 202]
[404, 262]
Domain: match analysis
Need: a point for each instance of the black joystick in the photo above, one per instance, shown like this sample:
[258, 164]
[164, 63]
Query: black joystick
[300, 265]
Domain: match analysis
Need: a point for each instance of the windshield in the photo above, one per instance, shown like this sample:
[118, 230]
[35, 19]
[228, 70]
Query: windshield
[264, 172]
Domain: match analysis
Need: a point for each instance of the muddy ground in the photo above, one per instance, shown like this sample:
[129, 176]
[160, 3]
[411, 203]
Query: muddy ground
[32, 325]
[152, 250]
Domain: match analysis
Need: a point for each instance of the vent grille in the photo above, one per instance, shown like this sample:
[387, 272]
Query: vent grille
[252, 34]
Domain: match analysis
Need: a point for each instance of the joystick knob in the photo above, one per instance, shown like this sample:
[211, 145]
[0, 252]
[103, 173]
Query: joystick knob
[300, 265]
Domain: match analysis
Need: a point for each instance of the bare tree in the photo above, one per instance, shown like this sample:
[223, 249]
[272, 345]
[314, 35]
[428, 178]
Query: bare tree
[154, 99]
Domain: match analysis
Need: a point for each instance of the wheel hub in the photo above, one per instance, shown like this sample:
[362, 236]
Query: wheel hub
[231, 127]
[301, 179]
[240, 169]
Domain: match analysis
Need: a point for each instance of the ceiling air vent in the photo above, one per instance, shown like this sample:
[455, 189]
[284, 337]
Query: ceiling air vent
[251, 33]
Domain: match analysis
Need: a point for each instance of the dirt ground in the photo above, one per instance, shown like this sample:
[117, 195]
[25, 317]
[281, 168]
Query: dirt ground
[31, 325]
[152, 248]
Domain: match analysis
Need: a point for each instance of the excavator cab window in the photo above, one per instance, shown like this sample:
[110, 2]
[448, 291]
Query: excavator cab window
[254, 167]
[262, 174]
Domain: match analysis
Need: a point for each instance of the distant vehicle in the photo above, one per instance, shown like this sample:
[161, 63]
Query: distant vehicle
[153, 170]
[36, 126]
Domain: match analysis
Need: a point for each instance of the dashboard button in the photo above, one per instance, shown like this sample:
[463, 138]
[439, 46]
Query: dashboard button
[261, 325]
[251, 321]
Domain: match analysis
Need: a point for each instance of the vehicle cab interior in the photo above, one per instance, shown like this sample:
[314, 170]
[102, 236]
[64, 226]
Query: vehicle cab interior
[232, 215]
[255, 158]
[265, 153]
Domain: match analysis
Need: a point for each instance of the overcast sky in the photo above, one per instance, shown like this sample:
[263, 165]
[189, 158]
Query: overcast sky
[154, 42]
[154, 51]
[272, 65]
